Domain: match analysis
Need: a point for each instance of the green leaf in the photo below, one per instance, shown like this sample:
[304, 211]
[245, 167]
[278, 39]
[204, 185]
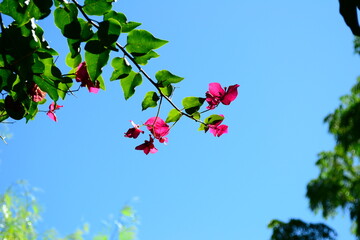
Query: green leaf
[96, 7]
[47, 85]
[140, 42]
[32, 110]
[100, 237]
[64, 86]
[101, 82]
[125, 25]
[165, 78]
[109, 31]
[122, 68]
[3, 113]
[150, 100]
[66, 19]
[129, 83]
[167, 91]
[73, 62]
[38, 67]
[173, 116]
[74, 47]
[86, 31]
[192, 104]
[14, 108]
[196, 115]
[22, 13]
[95, 61]
[212, 119]
[127, 234]
[127, 211]
[7, 78]
[142, 60]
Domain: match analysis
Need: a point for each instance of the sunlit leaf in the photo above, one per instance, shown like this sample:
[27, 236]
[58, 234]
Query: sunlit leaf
[192, 104]
[140, 42]
[165, 78]
[150, 100]
[173, 116]
[97, 7]
[122, 68]
[129, 84]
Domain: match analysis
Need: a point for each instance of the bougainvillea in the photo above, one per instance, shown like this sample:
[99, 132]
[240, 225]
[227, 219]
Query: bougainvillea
[52, 108]
[29, 73]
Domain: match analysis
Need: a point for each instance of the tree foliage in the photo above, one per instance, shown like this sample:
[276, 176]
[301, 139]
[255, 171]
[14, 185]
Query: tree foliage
[296, 229]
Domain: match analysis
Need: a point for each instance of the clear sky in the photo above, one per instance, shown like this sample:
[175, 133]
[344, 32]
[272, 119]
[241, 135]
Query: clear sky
[293, 60]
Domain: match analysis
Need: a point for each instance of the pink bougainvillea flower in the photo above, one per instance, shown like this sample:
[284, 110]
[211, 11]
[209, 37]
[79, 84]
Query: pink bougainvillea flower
[35, 93]
[133, 132]
[218, 129]
[82, 75]
[217, 94]
[52, 108]
[158, 128]
[147, 146]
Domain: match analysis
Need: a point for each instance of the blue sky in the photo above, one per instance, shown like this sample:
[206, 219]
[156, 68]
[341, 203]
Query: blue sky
[293, 61]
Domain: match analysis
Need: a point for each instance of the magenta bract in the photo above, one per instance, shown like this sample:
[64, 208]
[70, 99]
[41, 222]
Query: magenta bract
[52, 108]
[133, 132]
[217, 94]
[147, 146]
[158, 128]
[82, 75]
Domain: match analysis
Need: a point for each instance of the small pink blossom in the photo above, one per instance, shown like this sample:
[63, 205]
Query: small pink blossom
[82, 75]
[158, 128]
[147, 146]
[218, 129]
[36, 94]
[217, 94]
[52, 108]
[133, 132]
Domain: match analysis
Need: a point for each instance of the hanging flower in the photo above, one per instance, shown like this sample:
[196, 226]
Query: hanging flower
[82, 75]
[133, 132]
[147, 146]
[158, 127]
[52, 108]
[217, 94]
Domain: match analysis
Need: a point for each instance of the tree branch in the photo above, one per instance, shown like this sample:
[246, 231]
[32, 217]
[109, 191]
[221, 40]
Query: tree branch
[128, 55]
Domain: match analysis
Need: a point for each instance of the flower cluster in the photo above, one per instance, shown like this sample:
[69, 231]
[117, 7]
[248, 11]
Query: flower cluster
[214, 97]
[158, 129]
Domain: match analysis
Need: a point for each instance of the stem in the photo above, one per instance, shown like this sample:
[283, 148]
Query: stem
[137, 66]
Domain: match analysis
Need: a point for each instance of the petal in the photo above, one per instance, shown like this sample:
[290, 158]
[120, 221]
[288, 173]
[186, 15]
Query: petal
[153, 150]
[52, 116]
[52, 106]
[219, 130]
[157, 127]
[230, 94]
[216, 90]
[93, 89]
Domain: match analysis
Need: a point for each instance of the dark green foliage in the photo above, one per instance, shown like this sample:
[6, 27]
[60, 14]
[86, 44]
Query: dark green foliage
[298, 230]
[338, 184]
